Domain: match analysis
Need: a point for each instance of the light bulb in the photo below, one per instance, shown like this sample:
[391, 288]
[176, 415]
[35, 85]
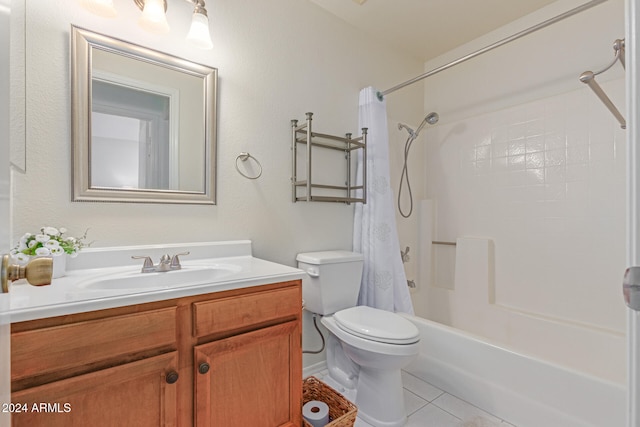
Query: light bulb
[100, 7]
[199, 31]
[153, 18]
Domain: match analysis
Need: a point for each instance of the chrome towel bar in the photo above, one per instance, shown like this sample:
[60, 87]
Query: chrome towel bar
[437, 242]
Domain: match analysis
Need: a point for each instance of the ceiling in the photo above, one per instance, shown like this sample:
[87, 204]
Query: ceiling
[425, 29]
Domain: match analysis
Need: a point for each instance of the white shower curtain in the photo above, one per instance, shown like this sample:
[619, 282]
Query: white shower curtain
[384, 284]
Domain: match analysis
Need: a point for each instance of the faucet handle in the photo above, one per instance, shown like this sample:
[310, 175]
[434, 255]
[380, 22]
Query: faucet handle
[175, 261]
[147, 266]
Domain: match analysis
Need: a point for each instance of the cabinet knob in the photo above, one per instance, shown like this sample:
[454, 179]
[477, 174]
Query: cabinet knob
[203, 368]
[172, 377]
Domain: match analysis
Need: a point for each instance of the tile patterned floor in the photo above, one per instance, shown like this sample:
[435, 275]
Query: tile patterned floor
[428, 406]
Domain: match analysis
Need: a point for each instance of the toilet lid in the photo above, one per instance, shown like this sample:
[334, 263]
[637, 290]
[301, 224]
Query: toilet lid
[377, 325]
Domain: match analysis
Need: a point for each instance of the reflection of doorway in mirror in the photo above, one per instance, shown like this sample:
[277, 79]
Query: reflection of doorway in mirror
[124, 154]
[133, 144]
[115, 154]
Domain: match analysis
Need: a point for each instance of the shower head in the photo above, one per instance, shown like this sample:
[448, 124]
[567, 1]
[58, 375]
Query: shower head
[431, 118]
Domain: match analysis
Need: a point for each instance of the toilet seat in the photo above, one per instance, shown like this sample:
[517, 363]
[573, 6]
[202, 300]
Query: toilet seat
[368, 344]
[377, 325]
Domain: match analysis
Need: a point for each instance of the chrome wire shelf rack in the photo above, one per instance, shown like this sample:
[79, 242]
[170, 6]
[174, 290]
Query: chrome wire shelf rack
[303, 189]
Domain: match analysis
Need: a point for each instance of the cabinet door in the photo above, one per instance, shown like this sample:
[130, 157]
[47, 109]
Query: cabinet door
[141, 393]
[253, 379]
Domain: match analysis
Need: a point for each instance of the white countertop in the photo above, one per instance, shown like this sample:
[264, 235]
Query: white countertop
[67, 295]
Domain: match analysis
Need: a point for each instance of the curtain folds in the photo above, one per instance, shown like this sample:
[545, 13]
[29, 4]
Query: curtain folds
[384, 284]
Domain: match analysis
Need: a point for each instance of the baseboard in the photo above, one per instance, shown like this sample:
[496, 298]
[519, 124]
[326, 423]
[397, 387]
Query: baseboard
[314, 369]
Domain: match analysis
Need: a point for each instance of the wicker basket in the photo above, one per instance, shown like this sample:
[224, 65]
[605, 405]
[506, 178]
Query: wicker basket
[342, 413]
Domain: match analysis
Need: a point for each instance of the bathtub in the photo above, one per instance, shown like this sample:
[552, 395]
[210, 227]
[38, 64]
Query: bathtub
[526, 391]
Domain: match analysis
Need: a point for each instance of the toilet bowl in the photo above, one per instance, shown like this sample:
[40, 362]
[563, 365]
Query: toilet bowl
[361, 359]
[367, 347]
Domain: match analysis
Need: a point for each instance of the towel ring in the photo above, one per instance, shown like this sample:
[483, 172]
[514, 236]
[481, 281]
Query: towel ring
[244, 157]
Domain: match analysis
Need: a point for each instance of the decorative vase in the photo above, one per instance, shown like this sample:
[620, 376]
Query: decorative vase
[59, 266]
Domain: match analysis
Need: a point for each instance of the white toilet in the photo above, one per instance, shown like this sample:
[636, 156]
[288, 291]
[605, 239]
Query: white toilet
[366, 347]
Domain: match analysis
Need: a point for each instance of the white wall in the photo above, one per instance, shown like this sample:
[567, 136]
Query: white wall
[276, 61]
[527, 158]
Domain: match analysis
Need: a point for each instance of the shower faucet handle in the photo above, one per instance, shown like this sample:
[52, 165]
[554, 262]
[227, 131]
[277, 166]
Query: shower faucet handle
[405, 255]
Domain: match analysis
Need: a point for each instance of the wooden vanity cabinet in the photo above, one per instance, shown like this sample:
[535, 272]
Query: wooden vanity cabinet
[113, 367]
[253, 377]
[225, 359]
[133, 394]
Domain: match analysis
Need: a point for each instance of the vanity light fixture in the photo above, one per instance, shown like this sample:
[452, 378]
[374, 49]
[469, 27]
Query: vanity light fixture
[199, 31]
[154, 15]
[154, 18]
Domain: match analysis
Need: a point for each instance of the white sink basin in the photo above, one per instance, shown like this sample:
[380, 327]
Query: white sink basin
[191, 275]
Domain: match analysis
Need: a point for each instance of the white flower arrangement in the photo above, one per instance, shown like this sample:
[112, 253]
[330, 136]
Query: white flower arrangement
[49, 242]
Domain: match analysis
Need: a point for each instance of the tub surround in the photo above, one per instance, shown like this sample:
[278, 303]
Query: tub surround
[68, 294]
[463, 295]
[537, 166]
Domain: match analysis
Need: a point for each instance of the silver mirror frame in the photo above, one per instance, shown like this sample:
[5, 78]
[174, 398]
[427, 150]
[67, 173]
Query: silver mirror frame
[82, 44]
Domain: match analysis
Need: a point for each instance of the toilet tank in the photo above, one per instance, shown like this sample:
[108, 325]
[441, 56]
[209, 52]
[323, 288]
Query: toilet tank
[333, 281]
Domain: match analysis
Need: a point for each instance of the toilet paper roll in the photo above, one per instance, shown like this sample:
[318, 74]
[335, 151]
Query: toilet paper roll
[316, 413]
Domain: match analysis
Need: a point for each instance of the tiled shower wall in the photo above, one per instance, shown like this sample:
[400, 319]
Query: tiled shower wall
[545, 182]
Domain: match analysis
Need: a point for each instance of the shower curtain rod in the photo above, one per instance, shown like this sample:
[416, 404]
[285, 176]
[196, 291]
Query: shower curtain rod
[492, 46]
[589, 78]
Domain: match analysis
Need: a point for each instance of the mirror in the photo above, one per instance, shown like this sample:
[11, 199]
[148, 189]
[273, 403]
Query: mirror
[143, 123]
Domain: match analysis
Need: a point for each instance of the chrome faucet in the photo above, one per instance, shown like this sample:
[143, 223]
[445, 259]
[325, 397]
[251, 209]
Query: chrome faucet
[164, 264]
[167, 263]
